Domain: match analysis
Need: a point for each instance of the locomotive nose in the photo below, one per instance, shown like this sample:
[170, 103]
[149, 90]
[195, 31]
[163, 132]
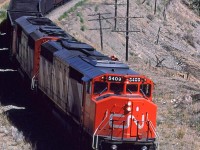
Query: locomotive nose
[132, 118]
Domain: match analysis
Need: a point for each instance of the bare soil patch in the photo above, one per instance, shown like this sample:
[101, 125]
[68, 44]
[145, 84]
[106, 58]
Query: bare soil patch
[3, 2]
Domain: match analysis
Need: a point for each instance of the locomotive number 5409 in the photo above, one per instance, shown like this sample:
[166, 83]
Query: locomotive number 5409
[115, 78]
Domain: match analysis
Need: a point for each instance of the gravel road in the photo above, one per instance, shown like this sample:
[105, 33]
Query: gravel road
[55, 14]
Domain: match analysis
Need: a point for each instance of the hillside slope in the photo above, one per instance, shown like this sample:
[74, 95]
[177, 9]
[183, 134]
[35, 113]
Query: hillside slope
[177, 78]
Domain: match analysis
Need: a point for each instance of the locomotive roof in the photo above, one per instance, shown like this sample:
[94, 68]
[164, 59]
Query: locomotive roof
[91, 67]
[43, 26]
[81, 56]
[18, 8]
[89, 64]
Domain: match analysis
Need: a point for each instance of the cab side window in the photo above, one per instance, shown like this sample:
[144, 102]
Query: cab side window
[145, 89]
[116, 87]
[100, 87]
[130, 88]
[88, 88]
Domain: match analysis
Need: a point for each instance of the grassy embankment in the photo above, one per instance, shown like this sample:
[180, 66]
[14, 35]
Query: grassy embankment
[3, 13]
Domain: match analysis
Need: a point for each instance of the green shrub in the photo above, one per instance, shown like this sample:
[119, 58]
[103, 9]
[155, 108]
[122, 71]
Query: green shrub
[3, 13]
[81, 17]
[83, 28]
[65, 14]
[96, 8]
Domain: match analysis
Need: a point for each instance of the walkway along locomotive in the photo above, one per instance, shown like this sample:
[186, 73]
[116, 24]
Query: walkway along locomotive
[111, 103]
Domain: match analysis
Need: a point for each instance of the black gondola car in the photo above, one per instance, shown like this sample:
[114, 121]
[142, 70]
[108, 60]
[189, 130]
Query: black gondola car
[18, 8]
[46, 6]
[58, 2]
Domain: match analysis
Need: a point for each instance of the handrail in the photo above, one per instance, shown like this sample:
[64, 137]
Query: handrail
[33, 80]
[95, 143]
[156, 133]
[93, 137]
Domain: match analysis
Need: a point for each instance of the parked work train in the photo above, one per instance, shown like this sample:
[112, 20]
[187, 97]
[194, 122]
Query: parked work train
[109, 101]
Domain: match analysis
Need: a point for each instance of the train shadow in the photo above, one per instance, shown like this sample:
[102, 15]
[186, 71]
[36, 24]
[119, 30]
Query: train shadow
[35, 121]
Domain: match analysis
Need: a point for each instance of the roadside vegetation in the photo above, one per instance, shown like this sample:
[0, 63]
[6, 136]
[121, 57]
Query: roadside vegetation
[73, 9]
[3, 12]
[80, 15]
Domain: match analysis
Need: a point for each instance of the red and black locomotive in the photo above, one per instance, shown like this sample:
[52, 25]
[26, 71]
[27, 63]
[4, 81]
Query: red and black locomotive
[112, 103]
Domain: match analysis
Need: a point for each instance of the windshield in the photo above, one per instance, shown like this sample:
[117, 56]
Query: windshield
[131, 88]
[145, 89]
[116, 87]
[100, 87]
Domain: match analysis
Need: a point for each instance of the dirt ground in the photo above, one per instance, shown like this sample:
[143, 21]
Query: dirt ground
[3, 2]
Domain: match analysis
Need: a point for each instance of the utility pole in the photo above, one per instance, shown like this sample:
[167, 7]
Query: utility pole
[127, 29]
[116, 12]
[100, 18]
[115, 27]
[155, 7]
[101, 32]
[158, 36]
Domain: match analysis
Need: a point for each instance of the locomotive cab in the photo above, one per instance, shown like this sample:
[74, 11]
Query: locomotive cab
[119, 85]
[125, 116]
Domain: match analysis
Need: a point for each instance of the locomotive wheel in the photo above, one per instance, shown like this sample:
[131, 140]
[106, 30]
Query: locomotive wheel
[152, 147]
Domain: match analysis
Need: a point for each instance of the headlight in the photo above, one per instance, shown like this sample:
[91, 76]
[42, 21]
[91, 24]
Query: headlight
[129, 103]
[114, 147]
[128, 109]
[144, 148]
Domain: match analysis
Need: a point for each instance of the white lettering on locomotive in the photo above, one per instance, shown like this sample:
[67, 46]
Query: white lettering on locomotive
[119, 125]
